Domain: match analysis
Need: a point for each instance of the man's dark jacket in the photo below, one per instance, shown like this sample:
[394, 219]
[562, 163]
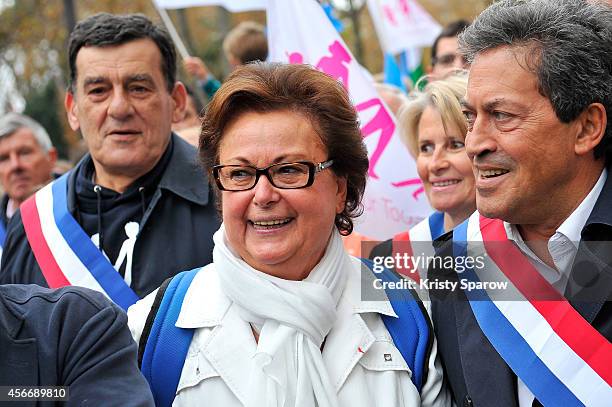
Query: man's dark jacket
[175, 231]
[477, 375]
[70, 337]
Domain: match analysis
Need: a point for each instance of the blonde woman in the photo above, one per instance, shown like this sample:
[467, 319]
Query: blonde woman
[433, 128]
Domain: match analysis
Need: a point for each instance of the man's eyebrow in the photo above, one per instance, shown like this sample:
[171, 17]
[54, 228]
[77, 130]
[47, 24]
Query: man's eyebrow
[141, 77]
[95, 80]
[490, 105]
[493, 104]
[465, 104]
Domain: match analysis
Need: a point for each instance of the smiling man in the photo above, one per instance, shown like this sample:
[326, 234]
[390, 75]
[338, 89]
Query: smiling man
[538, 108]
[123, 98]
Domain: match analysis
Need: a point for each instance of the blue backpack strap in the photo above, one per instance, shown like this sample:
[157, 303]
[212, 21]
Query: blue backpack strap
[411, 331]
[166, 345]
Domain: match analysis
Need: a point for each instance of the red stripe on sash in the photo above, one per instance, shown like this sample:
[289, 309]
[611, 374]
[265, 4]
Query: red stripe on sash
[31, 223]
[571, 327]
[401, 245]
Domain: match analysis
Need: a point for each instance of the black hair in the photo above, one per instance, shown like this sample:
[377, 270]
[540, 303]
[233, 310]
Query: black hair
[106, 29]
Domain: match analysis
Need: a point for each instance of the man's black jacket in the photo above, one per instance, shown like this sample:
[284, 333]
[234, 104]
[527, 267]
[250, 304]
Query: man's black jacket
[175, 231]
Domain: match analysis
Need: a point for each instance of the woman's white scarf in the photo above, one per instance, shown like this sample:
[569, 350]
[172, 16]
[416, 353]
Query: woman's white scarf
[294, 317]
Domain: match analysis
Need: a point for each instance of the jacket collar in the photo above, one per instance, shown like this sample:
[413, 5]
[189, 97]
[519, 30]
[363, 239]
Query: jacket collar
[183, 175]
[206, 306]
[601, 213]
[593, 262]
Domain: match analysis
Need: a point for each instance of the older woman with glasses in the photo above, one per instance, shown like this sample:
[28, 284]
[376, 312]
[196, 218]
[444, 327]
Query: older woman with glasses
[278, 318]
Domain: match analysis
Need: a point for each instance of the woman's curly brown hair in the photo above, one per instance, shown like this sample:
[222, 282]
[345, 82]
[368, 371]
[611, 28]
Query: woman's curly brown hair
[264, 87]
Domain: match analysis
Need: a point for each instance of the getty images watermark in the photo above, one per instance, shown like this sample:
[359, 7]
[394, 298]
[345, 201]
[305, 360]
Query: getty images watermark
[495, 270]
[412, 266]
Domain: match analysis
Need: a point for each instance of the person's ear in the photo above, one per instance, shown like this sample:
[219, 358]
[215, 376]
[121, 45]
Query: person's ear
[72, 110]
[52, 154]
[592, 128]
[179, 95]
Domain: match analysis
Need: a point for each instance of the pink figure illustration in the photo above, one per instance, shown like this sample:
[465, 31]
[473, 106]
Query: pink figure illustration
[381, 121]
[408, 182]
[404, 7]
[295, 57]
[388, 12]
[335, 65]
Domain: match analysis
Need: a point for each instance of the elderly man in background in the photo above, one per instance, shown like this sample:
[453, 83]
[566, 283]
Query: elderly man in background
[27, 158]
[137, 209]
[538, 107]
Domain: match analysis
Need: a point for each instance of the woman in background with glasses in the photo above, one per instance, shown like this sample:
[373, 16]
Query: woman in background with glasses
[278, 315]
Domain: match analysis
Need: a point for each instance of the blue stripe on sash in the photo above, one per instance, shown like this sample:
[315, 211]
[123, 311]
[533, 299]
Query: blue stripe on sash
[436, 224]
[513, 348]
[101, 269]
[2, 233]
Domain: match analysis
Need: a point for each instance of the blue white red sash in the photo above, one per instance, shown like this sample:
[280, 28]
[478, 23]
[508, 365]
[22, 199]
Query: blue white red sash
[414, 243]
[65, 253]
[561, 358]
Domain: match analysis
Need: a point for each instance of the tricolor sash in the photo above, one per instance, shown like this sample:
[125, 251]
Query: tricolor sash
[414, 243]
[561, 358]
[65, 253]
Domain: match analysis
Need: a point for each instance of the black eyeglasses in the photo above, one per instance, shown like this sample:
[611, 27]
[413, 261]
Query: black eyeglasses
[293, 175]
[448, 59]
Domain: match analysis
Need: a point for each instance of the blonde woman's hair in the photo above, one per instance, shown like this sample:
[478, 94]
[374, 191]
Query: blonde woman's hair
[445, 96]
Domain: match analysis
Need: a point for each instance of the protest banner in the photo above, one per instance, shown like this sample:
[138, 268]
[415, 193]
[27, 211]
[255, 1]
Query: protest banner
[300, 32]
[402, 25]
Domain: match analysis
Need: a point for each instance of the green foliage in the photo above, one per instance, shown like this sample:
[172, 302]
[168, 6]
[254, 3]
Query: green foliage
[43, 106]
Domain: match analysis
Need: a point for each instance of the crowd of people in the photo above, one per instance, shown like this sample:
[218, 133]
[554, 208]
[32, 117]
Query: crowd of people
[202, 255]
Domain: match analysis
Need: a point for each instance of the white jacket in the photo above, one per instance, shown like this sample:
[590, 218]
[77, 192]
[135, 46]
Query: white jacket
[356, 351]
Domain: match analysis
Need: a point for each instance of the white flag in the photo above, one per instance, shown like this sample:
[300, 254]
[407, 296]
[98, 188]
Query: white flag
[402, 25]
[300, 32]
[234, 6]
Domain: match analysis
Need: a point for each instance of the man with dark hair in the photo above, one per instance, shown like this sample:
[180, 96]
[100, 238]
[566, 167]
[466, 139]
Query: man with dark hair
[27, 158]
[445, 54]
[137, 209]
[70, 337]
[538, 106]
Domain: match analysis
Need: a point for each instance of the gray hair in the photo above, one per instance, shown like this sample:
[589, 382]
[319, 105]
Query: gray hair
[568, 47]
[11, 122]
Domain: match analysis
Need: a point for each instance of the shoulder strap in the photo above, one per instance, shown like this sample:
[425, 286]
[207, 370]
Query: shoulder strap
[411, 331]
[144, 336]
[165, 345]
